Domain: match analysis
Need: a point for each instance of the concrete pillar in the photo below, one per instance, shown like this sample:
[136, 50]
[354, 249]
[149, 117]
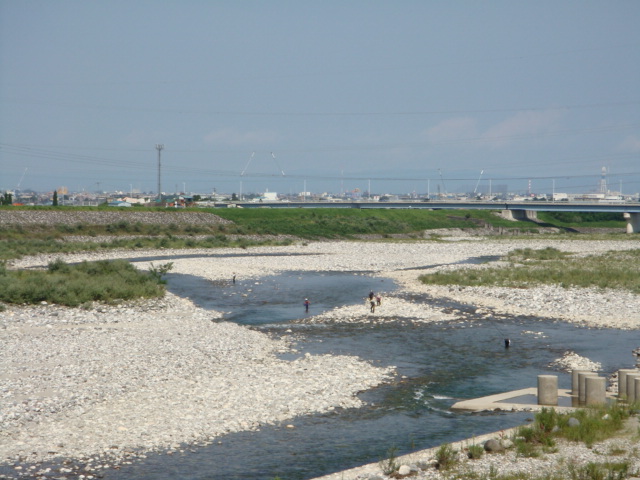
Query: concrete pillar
[547, 390]
[582, 389]
[575, 386]
[622, 381]
[507, 214]
[595, 390]
[633, 222]
[636, 381]
[631, 386]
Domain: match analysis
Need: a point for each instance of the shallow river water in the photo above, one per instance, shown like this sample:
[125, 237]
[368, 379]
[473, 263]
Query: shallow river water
[437, 365]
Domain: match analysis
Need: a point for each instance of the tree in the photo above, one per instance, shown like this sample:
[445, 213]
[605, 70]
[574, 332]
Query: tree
[55, 198]
[234, 197]
[7, 199]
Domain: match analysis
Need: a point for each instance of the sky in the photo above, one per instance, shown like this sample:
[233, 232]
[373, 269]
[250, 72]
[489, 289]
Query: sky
[403, 96]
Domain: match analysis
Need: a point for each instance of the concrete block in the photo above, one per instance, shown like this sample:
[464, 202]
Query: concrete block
[582, 390]
[548, 390]
[595, 390]
[622, 381]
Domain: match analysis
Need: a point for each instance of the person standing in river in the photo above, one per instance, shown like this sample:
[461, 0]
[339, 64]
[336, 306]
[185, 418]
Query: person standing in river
[306, 305]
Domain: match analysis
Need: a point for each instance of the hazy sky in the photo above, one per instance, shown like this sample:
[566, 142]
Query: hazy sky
[249, 96]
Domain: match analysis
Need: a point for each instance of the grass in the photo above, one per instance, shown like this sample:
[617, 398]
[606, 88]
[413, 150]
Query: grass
[17, 248]
[582, 219]
[528, 268]
[349, 222]
[475, 451]
[446, 457]
[81, 284]
[312, 223]
[590, 471]
[390, 464]
[539, 438]
[593, 425]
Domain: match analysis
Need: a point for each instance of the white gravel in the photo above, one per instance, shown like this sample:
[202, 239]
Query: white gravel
[113, 382]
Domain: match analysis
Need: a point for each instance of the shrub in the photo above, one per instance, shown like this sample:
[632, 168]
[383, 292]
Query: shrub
[596, 424]
[75, 285]
[475, 451]
[58, 265]
[547, 419]
[446, 457]
[158, 272]
[390, 465]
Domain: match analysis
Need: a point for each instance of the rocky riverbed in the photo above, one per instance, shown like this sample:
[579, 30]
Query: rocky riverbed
[99, 387]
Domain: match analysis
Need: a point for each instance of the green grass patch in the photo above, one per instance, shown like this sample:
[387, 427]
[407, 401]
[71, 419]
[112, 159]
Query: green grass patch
[446, 457]
[535, 440]
[583, 219]
[19, 248]
[74, 285]
[594, 424]
[615, 270]
[348, 222]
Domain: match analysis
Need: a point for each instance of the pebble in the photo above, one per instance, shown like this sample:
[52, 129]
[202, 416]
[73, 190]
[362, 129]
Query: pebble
[115, 382]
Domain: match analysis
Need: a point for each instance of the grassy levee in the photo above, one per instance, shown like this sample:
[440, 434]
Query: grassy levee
[247, 225]
[527, 268]
[17, 240]
[345, 223]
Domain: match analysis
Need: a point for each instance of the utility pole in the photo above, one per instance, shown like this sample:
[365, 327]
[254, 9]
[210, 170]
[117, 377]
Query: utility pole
[159, 147]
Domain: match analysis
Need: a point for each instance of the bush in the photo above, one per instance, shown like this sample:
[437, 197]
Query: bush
[446, 457]
[390, 465]
[475, 451]
[158, 272]
[75, 285]
[596, 424]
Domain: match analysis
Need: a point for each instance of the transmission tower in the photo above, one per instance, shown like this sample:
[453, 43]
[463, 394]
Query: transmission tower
[159, 147]
[603, 181]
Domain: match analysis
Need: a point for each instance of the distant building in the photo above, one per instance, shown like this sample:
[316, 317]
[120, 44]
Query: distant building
[119, 203]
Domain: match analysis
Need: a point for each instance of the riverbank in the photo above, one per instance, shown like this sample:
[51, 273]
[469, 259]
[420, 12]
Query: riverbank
[560, 460]
[102, 386]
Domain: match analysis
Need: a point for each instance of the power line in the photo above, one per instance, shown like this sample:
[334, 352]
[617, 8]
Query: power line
[391, 113]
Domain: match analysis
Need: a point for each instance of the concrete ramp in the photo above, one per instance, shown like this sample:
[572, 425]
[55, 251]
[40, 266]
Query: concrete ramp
[525, 400]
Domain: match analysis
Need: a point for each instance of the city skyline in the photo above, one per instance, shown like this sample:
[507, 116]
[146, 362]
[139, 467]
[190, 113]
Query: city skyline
[284, 96]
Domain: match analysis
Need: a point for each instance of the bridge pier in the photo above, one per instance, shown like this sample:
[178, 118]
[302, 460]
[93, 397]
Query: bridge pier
[520, 214]
[633, 222]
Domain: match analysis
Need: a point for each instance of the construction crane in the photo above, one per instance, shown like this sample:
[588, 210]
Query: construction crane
[277, 164]
[478, 182]
[21, 178]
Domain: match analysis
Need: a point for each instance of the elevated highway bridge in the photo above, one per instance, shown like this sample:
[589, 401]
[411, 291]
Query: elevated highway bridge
[516, 210]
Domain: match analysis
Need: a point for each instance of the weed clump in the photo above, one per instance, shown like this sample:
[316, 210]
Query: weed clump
[446, 457]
